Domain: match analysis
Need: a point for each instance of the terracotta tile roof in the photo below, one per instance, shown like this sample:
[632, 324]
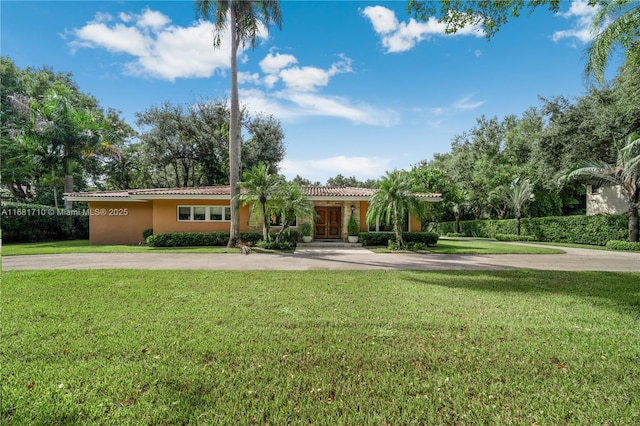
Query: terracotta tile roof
[203, 190]
[224, 190]
[337, 191]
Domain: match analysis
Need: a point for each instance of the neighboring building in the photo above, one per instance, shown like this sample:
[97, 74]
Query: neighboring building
[608, 199]
[119, 217]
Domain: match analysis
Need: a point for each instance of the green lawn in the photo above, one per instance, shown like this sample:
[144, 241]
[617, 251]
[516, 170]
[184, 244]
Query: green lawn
[320, 347]
[83, 246]
[445, 246]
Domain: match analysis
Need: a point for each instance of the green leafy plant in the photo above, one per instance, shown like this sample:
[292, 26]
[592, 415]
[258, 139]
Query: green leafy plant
[306, 229]
[352, 227]
[623, 245]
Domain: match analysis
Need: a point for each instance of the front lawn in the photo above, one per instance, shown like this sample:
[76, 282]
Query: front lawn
[320, 347]
[445, 246]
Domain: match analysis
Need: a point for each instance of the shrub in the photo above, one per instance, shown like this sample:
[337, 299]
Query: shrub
[352, 227]
[188, 239]
[383, 238]
[147, 233]
[272, 245]
[514, 237]
[622, 245]
[596, 230]
[22, 223]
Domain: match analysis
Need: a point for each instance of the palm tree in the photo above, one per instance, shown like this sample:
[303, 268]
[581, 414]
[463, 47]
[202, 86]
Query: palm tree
[626, 173]
[291, 202]
[518, 194]
[260, 188]
[622, 27]
[60, 129]
[245, 19]
[392, 201]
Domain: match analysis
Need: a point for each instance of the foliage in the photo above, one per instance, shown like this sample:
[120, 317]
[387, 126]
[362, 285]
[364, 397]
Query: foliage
[193, 346]
[291, 202]
[32, 222]
[392, 201]
[147, 233]
[514, 237]
[382, 238]
[623, 245]
[594, 230]
[276, 245]
[341, 181]
[306, 229]
[195, 239]
[625, 172]
[352, 226]
[616, 24]
[259, 189]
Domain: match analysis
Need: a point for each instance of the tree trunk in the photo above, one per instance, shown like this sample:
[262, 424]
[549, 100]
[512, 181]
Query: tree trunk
[518, 215]
[634, 235]
[234, 132]
[265, 223]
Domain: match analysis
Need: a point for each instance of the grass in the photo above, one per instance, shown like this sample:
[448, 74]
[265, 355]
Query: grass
[445, 246]
[320, 347]
[83, 246]
[476, 246]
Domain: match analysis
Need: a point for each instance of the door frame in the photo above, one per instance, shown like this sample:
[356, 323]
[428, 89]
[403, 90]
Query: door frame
[324, 214]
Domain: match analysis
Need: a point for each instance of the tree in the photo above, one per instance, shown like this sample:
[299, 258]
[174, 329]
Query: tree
[625, 172]
[245, 19]
[291, 202]
[620, 22]
[61, 129]
[260, 188]
[392, 201]
[518, 194]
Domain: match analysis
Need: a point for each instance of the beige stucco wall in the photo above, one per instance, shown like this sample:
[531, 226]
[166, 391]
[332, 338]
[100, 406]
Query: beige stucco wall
[606, 200]
[119, 222]
[165, 217]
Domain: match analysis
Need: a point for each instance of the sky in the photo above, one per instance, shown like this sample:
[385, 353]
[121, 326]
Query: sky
[359, 87]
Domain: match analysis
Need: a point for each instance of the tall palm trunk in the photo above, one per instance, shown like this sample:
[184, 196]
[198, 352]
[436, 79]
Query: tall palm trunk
[234, 132]
[68, 181]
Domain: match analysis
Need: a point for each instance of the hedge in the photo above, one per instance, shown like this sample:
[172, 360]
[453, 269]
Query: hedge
[197, 239]
[382, 238]
[595, 230]
[26, 223]
[514, 237]
[623, 245]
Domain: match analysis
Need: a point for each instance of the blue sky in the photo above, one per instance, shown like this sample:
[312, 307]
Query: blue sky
[359, 86]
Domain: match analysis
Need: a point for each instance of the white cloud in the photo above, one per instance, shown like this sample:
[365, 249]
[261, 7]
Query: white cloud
[160, 50]
[466, 103]
[298, 96]
[271, 63]
[363, 167]
[402, 36]
[581, 29]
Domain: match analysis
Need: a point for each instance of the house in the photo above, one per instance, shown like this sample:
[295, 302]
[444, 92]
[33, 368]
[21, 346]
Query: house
[608, 199]
[119, 217]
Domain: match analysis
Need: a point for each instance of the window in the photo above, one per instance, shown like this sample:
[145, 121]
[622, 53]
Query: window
[204, 213]
[276, 220]
[382, 226]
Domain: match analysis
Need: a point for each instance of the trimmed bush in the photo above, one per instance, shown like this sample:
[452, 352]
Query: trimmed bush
[622, 245]
[595, 230]
[213, 239]
[24, 223]
[383, 238]
[147, 233]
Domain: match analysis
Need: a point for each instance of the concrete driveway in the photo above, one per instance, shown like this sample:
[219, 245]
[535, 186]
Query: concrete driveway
[333, 259]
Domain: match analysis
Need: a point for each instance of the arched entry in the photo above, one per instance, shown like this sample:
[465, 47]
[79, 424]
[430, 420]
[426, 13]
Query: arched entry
[328, 222]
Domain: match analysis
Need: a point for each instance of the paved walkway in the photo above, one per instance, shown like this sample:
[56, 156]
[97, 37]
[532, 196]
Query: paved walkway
[330, 259]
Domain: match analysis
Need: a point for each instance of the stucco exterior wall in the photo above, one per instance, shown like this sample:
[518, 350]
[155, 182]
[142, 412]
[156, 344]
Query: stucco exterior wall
[165, 217]
[119, 222]
[606, 200]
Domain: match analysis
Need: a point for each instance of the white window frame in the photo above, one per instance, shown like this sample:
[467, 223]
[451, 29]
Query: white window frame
[377, 227]
[226, 213]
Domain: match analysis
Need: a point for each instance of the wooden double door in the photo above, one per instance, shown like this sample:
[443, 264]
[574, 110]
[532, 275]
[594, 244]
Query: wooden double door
[328, 222]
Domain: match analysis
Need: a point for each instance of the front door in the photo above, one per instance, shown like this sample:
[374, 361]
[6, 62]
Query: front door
[328, 223]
